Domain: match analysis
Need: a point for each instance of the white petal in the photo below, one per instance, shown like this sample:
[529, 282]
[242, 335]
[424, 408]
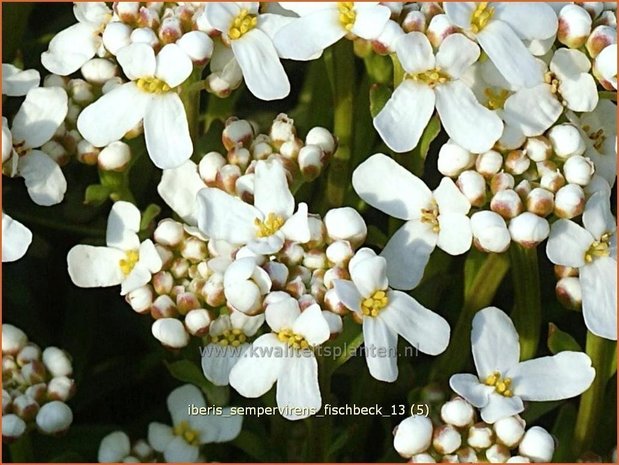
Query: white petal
[137, 60]
[425, 330]
[180, 398]
[494, 342]
[598, 280]
[415, 52]
[173, 65]
[469, 387]
[259, 367]
[138, 277]
[267, 245]
[282, 313]
[349, 295]
[380, 349]
[298, 387]
[459, 13]
[597, 217]
[499, 407]
[509, 54]
[528, 20]
[180, 451]
[564, 375]
[577, 87]
[123, 224]
[16, 239]
[244, 296]
[405, 115]
[221, 216]
[312, 325]
[159, 436]
[271, 191]
[568, 243]
[217, 428]
[70, 49]
[455, 236]
[457, 53]
[221, 14]
[296, 228]
[95, 266]
[606, 64]
[179, 188]
[16, 82]
[114, 447]
[468, 123]
[449, 198]
[407, 254]
[369, 275]
[219, 360]
[532, 110]
[114, 114]
[44, 109]
[389, 187]
[370, 20]
[149, 257]
[263, 72]
[44, 179]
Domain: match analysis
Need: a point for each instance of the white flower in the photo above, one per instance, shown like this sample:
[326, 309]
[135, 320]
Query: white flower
[245, 30]
[606, 67]
[436, 81]
[386, 314]
[75, 45]
[284, 356]
[151, 96]
[320, 25]
[114, 448]
[16, 83]
[245, 285]
[593, 250]
[413, 436]
[503, 383]
[228, 335]
[16, 239]
[500, 29]
[264, 226]
[436, 218]
[181, 443]
[54, 417]
[179, 188]
[124, 261]
[570, 68]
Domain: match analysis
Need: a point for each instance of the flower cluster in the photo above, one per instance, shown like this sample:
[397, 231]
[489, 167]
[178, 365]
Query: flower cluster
[35, 387]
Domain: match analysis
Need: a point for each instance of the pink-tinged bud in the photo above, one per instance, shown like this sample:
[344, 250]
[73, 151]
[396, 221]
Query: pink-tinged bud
[569, 201]
[439, 28]
[198, 46]
[98, 71]
[116, 36]
[186, 301]
[296, 287]
[282, 130]
[140, 299]
[537, 444]
[54, 418]
[501, 181]
[322, 138]
[163, 307]
[179, 268]
[12, 428]
[453, 159]
[517, 162]
[346, 223]
[414, 21]
[422, 458]
[306, 300]
[490, 233]
[29, 353]
[145, 36]
[197, 322]
[310, 162]
[569, 292]
[528, 229]
[480, 436]
[384, 44]
[430, 9]
[607, 18]
[239, 156]
[509, 431]
[497, 453]
[574, 26]
[290, 149]
[413, 436]
[552, 181]
[467, 455]
[115, 157]
[227, 177]
[339, 253]
[318, 232]
[60, 388]
[446, 439]
[57, 362]
[578, 170]
[170, 332]
[213, 290]
[25, 407]
[333, 303]
[565, 271]
[261, 148]
[148, 18]
[600, 38]
[566, 140]
[169, 233]
[489, 163]
[457, 412]
[473, 186]
[80, 91]
[523, 188]
[507, 203]
[170, 30]
[127, 11]
[334, 273]
[37, 392]
[540, 201]
[593, 8]
[13, 339]
[291, 254]
[315, 259]
[217, 85]
[162, 282]
[194, 249]
[538, 148]
[209, 167]
[278, 274]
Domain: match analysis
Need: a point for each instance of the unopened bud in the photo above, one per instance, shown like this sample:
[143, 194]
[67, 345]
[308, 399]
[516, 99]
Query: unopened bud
[140, 299]
[528, 229]
[489, 163]
[600, 38]
[170, 30]
[278, 274]
[163, 307]
[145, 35]
[170, 332]
[80, 91]
[497, 453]
[414, 21]
[457, 412]
[569, 201]
[565, 271]
[552, 181]
[26, 407]
[467, 455]
[194, 249]
[169, 233]
[114, 157]
[54, 418]
[197, 322]
[13, 339]
[578, 170]
[209, 166]
[607, 18]
[480, 436]
[339, 252]
[33, 372]
[346, 223]
[60, 388]
[507, 203]
[127, 11]
[537, 444]
[569, 292]
[29, 353]
[566, 140]
[179, 268]
[517, 162]
[490, 233]
[439, 28]
[509, 431]
[12, 427]
[501, 181]
[540, 201]
[322, 138]
[473, 186]
[162, 282]
[290, 149]
[453, 159]
[56, 152]
[574, 26]
[446, 439]
[413, 436]
[186, 301]
[282, 130]
[310, 161]
[57, 362]
[53, 80]
[197, 45]
[538, 148]
[227, 177]
[384, 44]
[213, 290]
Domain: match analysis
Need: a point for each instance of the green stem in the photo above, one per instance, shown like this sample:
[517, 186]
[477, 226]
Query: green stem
[609, 95]
[190, 97]
[478, 294]
[319, 428]
[341, 62]
[527, 314]
[21, 450]
[592, 405]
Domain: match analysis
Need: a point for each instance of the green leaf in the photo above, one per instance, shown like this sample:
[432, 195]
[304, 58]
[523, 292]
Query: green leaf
[379, 68]
[379, 95]
[96, 194]
[563, 430]
[188, 372]
[148, 215]
[429, 134]
[558, 340]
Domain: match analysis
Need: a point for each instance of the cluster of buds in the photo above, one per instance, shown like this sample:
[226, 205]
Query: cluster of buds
[458, 437]
[35, 386]
[117, 447]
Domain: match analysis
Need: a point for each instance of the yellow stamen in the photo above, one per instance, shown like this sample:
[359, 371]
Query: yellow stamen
[432, 77]
[270, 225]
[496, 99]
[296, 341]
[128, 263]
[481, 16]
[501, 385]
[347, 14]
[430, 216]
[372, 306]
[242, 24]
[597, 137]
[187, 433]
[233, 337]
[598, 249]
[153, 85]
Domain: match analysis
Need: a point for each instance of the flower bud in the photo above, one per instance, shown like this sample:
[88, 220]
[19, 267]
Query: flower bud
[239, 156]
[80, 91]
[574, 26]
[114, 447]
[261, 149]
[54, 418]
[127, 11]
[110, 85]
[528, 229]
[339, 252]
[509, 430]
[169, 233]
[414, 21]
[282, 130]
[114, 157]
[53, 80]
[467, 455]
[142, 450]
[170, 30]
[473, 186]
[507, 203]
[552, 181]
[310, 161]
[197, 45]
[213, 290]
[517, 162]
[25, 407]
[578, 170]
[480, 436]
[186, 301]
[290, 149]
[29, 353]
[12, 427]
[501, 181]
[446, 439]
[315, 259]
[145, 35]
[13, 339]
[227, 177]
[116, 36]
[422, 458]
[489, 163]
[518, 459]
[413, 436]
[56, 152]
[346, 223]
[537, 444]
[439, 28]
[540, 201]
[607, 18]
[600, 38]
[170, 332]
[569, 201]
[278, 273]
[197, 322]
[163, 307]
[453, 159]
[322, 138]
[490, 233]
[333, 303]
[237, 132]
[209, 167]
[98, 71]
[33, 372]
[60, 388]
[194, 249]
[87, 153]
[566, 140]
[538, 148]
[6, 402]
[457, 412]
[497, 453]
[57, 362]
[162, 282]
[140, 299]
[569, 292]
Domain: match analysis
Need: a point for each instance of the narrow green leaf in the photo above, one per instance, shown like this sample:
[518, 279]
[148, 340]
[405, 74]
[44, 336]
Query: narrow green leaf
[148, 215]
[379, 95]
[96, 194]
[558, 340]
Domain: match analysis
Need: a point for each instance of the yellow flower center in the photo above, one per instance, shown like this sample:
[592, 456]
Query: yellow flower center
[432, 77]
[230, 337]
[496, 99]
[372, 306]
[501, 385]
[128, 263]
[551, 79]
[187, 433]
[270, 225]
[599, 248]
[153, 85]
[296, 341]
[480, 17]
[347, 14]
[430, 216]
[242, 24]
[597, 137]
